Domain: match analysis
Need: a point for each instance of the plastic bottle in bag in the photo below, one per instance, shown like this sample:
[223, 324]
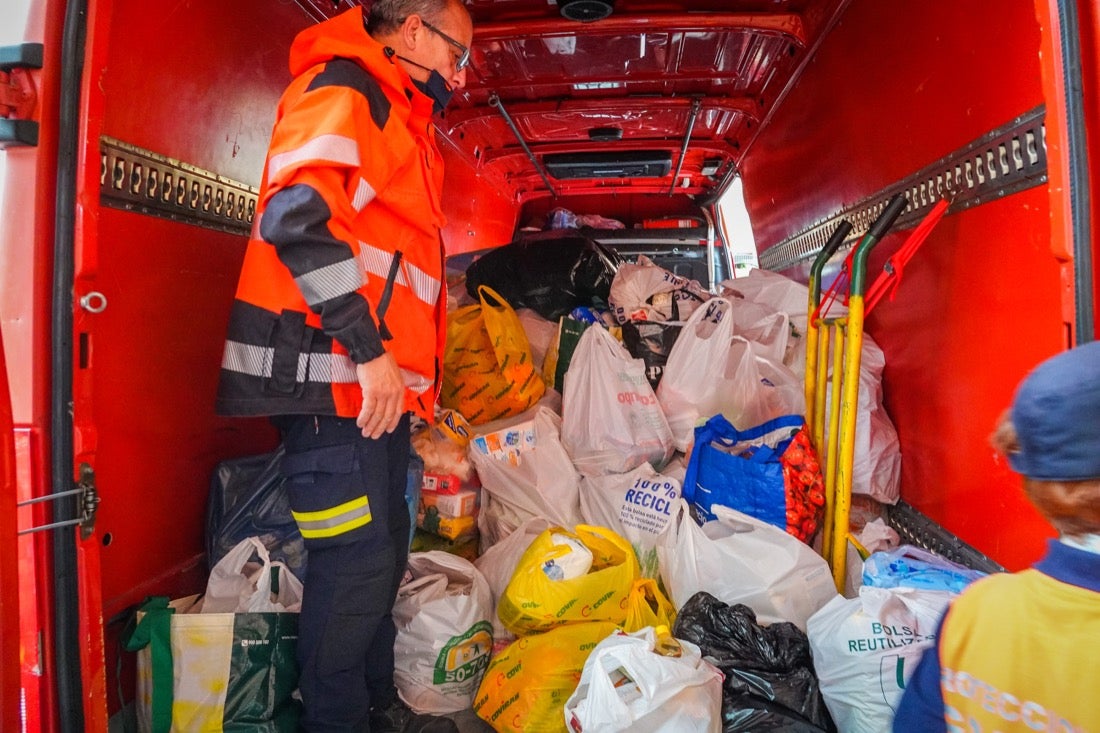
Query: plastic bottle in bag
[666, 643]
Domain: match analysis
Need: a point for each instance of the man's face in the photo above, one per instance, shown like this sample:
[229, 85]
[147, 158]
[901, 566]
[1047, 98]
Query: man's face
[442, 44]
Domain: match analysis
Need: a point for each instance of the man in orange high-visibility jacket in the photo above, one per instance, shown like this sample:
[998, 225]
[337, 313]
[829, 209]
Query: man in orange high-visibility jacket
[1019, 652]
[337, 329]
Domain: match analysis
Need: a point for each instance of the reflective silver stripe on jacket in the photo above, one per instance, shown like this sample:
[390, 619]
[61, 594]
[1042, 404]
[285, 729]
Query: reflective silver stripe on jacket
[331, 281]
[323, 148]
[255, 361]
[364, 194]
[377, 261]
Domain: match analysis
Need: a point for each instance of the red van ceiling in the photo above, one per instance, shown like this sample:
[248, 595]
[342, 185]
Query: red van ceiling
[647, 77]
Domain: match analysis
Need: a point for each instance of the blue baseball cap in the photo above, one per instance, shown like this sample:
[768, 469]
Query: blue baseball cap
[1056, 414]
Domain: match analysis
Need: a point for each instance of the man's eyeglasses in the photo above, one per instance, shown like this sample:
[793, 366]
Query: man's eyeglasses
[464, 52]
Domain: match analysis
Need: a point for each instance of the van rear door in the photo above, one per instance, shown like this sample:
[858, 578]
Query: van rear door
[9, 581]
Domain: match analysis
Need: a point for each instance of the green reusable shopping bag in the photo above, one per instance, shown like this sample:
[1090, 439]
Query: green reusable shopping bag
[231, 672]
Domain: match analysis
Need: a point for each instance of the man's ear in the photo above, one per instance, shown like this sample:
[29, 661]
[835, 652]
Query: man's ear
[411, 31]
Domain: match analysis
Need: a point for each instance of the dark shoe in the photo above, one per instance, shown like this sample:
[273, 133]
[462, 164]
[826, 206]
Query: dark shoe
[397, 718]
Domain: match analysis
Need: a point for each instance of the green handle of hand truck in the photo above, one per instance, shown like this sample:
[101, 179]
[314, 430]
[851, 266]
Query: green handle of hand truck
[843, 229]
[878, 229]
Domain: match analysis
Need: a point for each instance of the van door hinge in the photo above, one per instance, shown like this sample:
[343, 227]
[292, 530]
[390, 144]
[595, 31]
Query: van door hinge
[18, 95]
[87, 503]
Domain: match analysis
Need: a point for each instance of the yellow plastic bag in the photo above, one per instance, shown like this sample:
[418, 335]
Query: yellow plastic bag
[527, 684]
[534, 602]
[646, 606]
[488, 369]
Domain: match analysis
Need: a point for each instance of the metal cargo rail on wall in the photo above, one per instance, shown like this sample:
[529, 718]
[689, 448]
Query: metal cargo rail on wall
[1006, 160]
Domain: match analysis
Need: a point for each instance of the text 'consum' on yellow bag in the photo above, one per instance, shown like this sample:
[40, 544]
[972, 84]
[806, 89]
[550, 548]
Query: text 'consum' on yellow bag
[568, 577]
[527, 684]
[488, 369]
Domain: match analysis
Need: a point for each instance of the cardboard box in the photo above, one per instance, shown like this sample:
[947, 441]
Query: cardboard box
[508, 443]
[441, 483]
[461, 504]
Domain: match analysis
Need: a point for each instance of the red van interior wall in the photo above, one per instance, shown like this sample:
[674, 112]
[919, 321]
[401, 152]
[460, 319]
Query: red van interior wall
[892, 89]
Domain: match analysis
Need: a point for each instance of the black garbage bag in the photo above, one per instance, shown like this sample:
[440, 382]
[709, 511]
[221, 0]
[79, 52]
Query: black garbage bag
[248, 499]
[550, 275]
[770, 682]
[651, 341]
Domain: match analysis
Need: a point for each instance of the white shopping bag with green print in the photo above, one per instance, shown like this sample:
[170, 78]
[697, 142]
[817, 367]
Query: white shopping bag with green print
[443, 613]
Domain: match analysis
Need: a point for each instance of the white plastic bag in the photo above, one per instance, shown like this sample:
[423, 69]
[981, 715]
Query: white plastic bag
[611, 420]
[710, 370]
[691, 383]
[633, 291]
[781, 295]
[866, 648]
[637, 505]
[627, 686]
[444, 633]
[876, 463]
[739, 559]
[542, 483]
[758, 389]
[767, 329]
[237, 584]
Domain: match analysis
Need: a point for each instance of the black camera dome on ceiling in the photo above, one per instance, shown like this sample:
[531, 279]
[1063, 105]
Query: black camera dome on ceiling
[585, 10]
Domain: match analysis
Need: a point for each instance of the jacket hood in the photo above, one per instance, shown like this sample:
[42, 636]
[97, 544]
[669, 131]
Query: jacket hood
[343, 36]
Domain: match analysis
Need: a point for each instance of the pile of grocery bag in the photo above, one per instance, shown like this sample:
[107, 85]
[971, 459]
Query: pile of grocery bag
[615, 513]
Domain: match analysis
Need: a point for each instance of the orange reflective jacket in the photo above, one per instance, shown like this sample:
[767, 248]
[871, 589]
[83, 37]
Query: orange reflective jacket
[345, 259]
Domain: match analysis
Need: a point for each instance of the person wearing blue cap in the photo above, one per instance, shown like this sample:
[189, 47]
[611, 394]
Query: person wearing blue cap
[1021, 652]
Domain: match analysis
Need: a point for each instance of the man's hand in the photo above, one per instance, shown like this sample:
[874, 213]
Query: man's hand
[383, 396]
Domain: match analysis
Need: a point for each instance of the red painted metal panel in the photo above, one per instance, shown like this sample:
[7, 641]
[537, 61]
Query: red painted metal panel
[978, 307]
[479, 211]
[26, 257]
[212, 99]
[153, 402]
[9, 566]
[892, 89]
[169, 285]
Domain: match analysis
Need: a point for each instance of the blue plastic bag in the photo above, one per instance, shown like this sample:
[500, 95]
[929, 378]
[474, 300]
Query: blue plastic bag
[911, 567]
[749, 479]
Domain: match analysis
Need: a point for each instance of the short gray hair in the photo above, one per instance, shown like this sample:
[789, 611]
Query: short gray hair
[386, 16]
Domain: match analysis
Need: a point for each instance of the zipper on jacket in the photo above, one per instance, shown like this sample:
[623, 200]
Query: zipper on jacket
[387, 294]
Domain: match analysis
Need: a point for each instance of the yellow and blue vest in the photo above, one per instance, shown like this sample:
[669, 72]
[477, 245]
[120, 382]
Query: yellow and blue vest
[1015, 653]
